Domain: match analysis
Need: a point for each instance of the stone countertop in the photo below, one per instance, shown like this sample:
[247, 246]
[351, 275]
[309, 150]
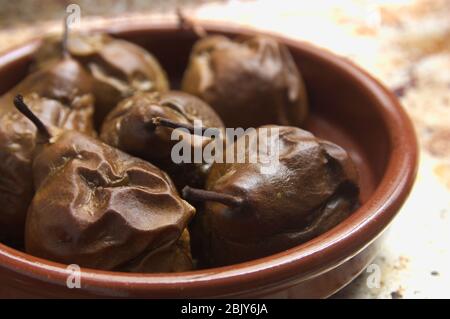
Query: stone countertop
[404, 43]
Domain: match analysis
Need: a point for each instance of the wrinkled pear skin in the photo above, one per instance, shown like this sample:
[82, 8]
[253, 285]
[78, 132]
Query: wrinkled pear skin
[59, 94]
[250, 81]
[119, 68]
[128, 127]
[174, 258]
[98, 207]
[312, 188]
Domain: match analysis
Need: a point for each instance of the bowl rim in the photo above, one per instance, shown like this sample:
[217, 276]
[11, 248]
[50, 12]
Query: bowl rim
[285, 268]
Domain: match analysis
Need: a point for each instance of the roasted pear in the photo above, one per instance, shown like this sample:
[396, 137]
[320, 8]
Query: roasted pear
[59, 94]
[96, 206]
[174, 258]
[131, 127]
[249, 81]
[310, 187]
[119, 67]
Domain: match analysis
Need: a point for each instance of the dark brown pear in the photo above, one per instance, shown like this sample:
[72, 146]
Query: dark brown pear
[131, 127]
[96, 206]
[60, 95]
[258, 208]
[249, 81]
[174, 258]
[61, 78]
[119, 67]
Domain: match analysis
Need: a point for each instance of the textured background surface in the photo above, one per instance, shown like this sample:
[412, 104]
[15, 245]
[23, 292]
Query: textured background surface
[404, 43]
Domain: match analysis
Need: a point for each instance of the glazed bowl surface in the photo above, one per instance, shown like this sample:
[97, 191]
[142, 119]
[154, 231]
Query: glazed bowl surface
[348, 107]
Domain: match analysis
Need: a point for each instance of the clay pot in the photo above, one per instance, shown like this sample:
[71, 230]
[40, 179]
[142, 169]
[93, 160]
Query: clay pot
[348, 107]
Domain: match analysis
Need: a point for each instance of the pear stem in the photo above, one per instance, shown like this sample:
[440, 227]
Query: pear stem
[165, 122]
[187, 23]
[23, 108]
[196, 194]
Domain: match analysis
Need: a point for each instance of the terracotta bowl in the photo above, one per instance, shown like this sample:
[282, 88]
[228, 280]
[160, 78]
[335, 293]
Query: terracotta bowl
[349, 107]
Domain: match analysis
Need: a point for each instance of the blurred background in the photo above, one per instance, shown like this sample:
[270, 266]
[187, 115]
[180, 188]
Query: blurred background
[404, 43]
